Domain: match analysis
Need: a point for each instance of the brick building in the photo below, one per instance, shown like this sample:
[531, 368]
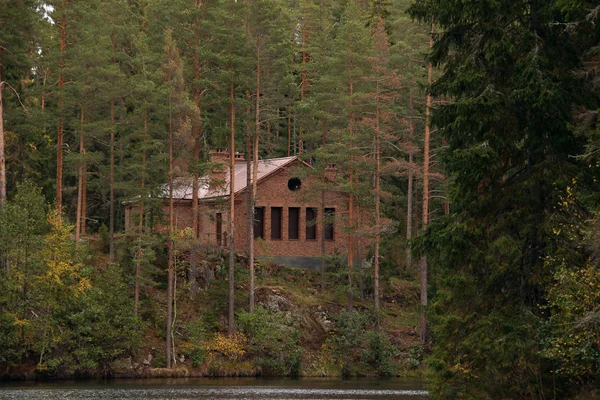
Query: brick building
[289, 223]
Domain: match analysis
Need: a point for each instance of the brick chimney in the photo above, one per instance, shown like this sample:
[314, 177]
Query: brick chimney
[219, 172]
[331, 172]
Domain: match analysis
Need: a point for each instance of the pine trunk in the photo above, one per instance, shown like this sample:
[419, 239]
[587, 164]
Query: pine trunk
[255, 168]
[250, 194]
[231, 313]
[60, 139]
[377, 213]
[409, 194]
[84, 201]
[323, 246]
[81, 169]
[351, 204]
[195, 177]
[425, 219]
[2, 156]
[111, 216]
[289, 132]
[138, 269]
[171, 266]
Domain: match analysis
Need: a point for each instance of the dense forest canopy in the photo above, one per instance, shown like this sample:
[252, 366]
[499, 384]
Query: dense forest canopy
[481, 147]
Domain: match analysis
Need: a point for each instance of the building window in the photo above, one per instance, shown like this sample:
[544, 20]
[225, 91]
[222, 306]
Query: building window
[294, 223]
[259, 222]
[219, 219]
[328, 232]
[294, 184]
[311, 224]
[276, 213]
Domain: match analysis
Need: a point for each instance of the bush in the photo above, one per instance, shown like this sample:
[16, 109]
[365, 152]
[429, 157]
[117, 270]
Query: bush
[231, 347]
[273, 341]
[353, 346]
[380, 353]
[415, 354]
[346, 340]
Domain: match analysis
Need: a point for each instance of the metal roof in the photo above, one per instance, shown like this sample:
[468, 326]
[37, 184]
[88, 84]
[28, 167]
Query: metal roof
[182, 187]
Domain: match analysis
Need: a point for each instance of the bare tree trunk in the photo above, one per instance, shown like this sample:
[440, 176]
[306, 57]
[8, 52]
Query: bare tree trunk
[425, 221]
[111, 216]
[171, 266]
[195, 178]
[138, 269]
[2, 156]
[303, 83]
[323, 248]
[231, 315]
[289, 132]
[351, 204]
[250, 194]
[323, 245]
[84, 201]
[377, 213]
[255, 169]
[81, 174]
[60, 139]
[409, 194]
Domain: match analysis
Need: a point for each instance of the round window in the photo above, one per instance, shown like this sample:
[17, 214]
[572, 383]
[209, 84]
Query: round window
[294, 184]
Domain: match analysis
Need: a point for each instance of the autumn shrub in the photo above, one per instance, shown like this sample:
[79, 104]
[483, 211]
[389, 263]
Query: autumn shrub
[231, 347]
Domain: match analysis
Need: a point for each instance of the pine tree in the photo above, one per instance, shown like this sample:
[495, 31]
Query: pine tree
[267, 28]
[353, 43]
[384, 95]
[174, 76]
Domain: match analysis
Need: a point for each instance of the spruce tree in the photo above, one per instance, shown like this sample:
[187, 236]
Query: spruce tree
[508, 71]
[18, 26]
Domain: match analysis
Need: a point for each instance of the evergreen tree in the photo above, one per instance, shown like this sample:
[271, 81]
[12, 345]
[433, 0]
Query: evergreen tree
[384, 94]
[352, 47]
[19, 24]
[267, 29]
[181, 112]
[508, 68]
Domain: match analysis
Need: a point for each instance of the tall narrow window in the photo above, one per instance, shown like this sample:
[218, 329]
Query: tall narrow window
[311, 223]
[276, 213]
[219, 220]
[294, 223]
[328, 231]
[259, 222]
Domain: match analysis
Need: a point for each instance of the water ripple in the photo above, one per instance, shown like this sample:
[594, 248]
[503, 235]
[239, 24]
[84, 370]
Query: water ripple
[207, 392]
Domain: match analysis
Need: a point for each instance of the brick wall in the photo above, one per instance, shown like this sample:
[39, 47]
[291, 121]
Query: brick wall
[273, 192]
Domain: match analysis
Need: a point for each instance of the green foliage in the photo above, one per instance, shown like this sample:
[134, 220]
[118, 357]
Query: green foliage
[103, 329]
[569, 338]
[379, 353]
[415, 354]
[55, 310]
[509, 71]
[273, 341]
[354, 347]
[104, 239]
[199, 332]
[10, 351]
[346, 340]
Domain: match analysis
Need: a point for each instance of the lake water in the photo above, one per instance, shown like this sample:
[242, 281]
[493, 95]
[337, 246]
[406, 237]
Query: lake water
[229, 388]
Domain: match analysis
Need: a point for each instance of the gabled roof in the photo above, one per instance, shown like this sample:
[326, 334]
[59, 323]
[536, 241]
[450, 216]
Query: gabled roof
[182, 189]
